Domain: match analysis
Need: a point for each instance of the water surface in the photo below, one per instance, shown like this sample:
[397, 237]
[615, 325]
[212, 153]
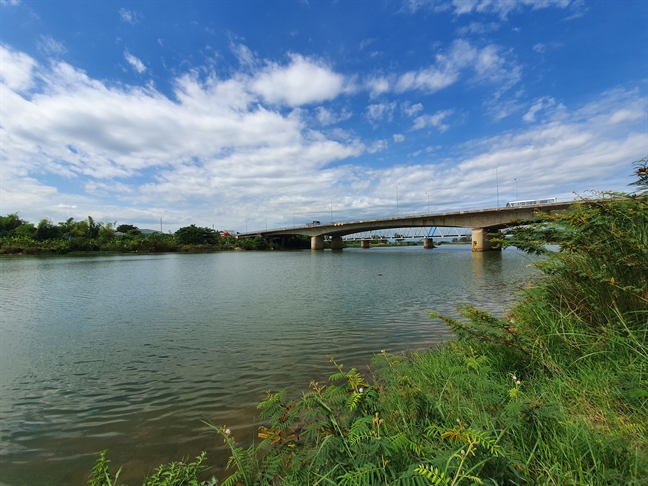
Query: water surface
[132, 353]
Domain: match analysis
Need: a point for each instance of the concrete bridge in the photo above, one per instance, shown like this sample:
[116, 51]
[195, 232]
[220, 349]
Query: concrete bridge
[482, 222]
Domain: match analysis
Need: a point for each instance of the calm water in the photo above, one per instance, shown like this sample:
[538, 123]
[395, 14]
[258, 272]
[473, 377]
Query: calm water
[132, 353]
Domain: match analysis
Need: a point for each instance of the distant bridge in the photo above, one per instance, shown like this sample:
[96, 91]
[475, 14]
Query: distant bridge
[482, 221]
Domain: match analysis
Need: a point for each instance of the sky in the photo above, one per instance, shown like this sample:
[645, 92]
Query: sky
[246, 115]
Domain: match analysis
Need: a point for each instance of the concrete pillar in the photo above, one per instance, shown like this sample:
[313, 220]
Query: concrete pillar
[428, 243]
[336, 243]
[365, 244]
[480, 241]
[317, 242]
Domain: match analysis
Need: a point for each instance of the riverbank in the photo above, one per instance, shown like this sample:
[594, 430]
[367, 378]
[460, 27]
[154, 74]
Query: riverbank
[556, 392]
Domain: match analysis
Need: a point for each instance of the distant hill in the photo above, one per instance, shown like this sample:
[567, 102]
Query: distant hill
[147, 232]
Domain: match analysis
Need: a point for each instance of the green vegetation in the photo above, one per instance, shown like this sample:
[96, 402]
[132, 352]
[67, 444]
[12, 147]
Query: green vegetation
[554, 393]
[21, 237]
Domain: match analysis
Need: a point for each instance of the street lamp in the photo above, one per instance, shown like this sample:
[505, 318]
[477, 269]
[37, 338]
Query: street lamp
[516, 191]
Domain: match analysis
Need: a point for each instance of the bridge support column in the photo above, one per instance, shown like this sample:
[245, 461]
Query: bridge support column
[480, 240]
[317, 242]
[336, 243]
[428, 243]
[365, 244]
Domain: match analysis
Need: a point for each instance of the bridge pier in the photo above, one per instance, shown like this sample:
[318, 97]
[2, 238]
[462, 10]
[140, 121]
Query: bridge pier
[365, 244]
[428, 243]
[317, 242]
[480, 240]
[336, 243]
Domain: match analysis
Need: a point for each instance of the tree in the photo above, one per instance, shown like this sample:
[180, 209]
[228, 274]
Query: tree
[46, 230]
[26, 229]
[193, 235]
[129, 229]
[9, 223]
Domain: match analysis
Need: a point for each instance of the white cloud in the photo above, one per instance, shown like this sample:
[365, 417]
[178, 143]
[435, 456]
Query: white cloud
[213, 141]
[435, 120]
[539, 104]
[135, 63]
[377, 146]
[540, 48]
[16, 70]
[478, 28]
[48, 45]
[302, 82]
[328, 117]
[366, 42]
[377, 86]
[496, 7]
[627, 115]
[398, 137]
[381, 111]
[488, 64]
[128, 16]
[243, 53]
[409, 109]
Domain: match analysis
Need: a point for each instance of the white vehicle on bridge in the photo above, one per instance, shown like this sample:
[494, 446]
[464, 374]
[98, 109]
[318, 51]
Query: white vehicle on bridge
[531, 202]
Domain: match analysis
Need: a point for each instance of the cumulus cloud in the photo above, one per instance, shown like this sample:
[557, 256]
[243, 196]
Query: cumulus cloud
[303, 81]
[135, 63]
[214, 138]
[399, 137]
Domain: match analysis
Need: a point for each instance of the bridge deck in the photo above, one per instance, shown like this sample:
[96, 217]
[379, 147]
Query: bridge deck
[478, 218]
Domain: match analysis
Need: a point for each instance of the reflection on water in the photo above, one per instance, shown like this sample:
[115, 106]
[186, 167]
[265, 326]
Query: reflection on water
[133, 353]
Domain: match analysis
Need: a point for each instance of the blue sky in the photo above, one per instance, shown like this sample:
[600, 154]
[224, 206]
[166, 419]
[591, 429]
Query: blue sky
[247, 113]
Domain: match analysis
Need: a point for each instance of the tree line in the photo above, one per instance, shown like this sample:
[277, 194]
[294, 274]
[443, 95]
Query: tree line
[18, 236]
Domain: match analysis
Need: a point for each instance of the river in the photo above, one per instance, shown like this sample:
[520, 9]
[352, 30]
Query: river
[132, 353]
